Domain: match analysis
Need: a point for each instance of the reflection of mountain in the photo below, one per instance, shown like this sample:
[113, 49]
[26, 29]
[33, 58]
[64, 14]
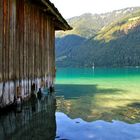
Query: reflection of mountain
[77, 129]
[91, 103]
[36, 122]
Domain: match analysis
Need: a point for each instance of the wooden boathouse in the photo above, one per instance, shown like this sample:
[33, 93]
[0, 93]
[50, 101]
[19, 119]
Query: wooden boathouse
[27, 46]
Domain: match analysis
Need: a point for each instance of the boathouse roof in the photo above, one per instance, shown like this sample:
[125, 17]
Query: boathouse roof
[50, 9]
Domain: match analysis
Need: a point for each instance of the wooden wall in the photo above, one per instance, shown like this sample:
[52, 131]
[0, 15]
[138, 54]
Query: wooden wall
[26, 48]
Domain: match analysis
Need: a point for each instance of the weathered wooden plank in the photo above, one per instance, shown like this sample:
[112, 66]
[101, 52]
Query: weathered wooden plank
[1, 37]
[26, 46]
[33, 44]
[10, 40]
[28, 51]
[53, 51]
[45, 45]
[37, 18]
[14, 78]
[24, 43]
[1, 50]
[4, 41]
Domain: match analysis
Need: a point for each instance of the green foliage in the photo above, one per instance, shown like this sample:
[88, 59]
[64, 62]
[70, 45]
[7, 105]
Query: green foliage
[119, 28]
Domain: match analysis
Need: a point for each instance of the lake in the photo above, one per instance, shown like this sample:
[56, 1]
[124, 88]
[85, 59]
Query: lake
[102, 104]
[89, 104]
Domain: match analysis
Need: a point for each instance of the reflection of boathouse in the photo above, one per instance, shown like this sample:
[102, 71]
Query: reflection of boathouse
[27, 35]
[37, 121]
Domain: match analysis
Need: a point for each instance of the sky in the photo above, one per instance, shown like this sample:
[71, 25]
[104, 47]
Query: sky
[71, 8]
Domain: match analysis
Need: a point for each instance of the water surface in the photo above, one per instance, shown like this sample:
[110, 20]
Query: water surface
[99, 104]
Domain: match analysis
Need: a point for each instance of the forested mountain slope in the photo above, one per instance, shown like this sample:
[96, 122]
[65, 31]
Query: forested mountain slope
[114, 42]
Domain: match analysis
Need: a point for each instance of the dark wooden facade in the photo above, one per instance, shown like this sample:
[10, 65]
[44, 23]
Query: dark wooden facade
[27, 50]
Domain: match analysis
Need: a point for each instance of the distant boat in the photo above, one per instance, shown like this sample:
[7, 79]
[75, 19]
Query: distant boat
[93, 66]
[137, 67]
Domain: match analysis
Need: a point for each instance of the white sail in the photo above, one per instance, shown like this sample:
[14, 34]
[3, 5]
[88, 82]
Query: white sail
[93, 66]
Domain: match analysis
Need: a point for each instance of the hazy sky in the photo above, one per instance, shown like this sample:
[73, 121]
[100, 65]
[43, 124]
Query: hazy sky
[70, 8]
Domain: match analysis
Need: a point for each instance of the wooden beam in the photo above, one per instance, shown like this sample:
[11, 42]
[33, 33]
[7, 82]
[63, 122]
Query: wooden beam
[57, 14]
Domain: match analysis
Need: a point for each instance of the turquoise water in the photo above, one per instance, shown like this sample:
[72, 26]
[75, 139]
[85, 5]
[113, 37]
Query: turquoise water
[98, 103]
[102, 88]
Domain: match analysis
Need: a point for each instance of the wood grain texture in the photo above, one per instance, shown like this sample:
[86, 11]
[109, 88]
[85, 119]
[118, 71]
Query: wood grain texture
[26, 47]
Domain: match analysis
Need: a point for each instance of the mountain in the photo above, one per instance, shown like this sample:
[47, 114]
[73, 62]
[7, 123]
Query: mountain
[110, 39]
[87, 25]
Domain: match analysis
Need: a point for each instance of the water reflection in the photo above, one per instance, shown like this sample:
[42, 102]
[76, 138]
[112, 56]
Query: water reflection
[99, 105]
[36, 121]
[91, 103]
[73, 120]
[77, 129]
[103, 94]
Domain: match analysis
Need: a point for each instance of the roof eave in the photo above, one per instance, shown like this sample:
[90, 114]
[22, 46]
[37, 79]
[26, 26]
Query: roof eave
[64, 25]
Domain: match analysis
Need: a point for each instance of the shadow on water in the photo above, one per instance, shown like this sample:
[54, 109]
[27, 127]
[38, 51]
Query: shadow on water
[36, 121]
[75, 91]
[135, 105]
[84, 101]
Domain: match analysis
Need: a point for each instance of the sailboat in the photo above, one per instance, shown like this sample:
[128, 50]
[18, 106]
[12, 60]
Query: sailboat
[93, 66]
